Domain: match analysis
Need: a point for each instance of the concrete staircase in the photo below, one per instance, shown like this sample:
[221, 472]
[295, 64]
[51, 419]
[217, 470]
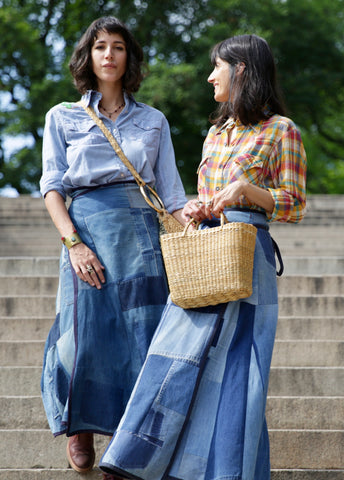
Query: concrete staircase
[306, 395]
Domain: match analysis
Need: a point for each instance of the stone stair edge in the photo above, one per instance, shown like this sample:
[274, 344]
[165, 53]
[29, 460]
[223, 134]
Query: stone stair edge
[68, 474]
[286, 446]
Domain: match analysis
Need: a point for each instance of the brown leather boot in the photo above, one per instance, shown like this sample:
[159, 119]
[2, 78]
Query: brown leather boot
[80, 452]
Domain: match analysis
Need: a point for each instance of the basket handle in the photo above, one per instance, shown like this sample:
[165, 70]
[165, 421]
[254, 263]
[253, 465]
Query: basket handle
[223, 222]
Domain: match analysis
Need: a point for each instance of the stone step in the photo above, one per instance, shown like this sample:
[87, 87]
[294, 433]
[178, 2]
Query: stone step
[293, 265]
[51, 248]
[69, 474]
[21, 353]
[22, 413]
[288, 284]
[305, 474]
[318, 305]
[290, 250]
[300, 448]
[310, 413]
[29, 285]
[35, 219]
[288, 328]
[48, 247]
[284, 381]
[310, 327]
[26, 265]
[24, 328]
[32, 227]
[307, 449]
[17, 381]
[64, 473]
[308, 353]
[311, 284]
[313, 265]
[37, 448]
[39, 233]
[307, 381]
[18, 306]
[292, 353]
[302, 305]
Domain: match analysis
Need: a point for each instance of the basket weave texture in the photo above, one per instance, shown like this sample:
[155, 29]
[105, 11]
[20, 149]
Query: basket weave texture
[169, 223]
[210, 266]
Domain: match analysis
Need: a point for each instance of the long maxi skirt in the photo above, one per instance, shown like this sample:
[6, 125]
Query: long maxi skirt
[99, 340]
[197, 411]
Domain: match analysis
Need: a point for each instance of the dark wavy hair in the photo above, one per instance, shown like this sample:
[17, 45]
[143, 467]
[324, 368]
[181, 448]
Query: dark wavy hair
[80, 63]
[255, 94]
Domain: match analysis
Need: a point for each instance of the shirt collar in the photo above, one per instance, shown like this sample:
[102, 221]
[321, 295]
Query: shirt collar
[231, 123]
[93, 97]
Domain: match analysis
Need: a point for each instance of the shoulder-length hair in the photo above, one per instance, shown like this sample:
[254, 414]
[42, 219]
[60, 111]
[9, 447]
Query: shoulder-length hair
[80, 63]
[254, 94]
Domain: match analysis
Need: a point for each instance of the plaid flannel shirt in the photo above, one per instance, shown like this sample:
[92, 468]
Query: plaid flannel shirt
[269, 154]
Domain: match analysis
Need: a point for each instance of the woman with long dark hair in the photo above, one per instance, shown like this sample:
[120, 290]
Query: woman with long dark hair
[197, 411]
[112, 286]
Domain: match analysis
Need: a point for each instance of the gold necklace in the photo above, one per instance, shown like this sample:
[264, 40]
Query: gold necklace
[112, 113]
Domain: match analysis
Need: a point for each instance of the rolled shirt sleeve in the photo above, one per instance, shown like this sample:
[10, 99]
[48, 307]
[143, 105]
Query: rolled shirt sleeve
[288, 171]
[53, 155]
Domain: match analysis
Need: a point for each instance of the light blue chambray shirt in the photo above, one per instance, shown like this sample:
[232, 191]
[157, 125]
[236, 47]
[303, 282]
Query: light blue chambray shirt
[77, 154]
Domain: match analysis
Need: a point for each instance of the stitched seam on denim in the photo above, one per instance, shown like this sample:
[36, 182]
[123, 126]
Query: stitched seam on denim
[180, 357]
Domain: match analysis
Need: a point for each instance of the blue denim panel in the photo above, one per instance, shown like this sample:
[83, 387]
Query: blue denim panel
[183, 334]
[140, 326]
[262, 471]
[167, 384]
[264, 277]
[141, 291]
[55, 387]
[104, 334]
[229, 432]
[194, 443]
[219, 396]
[230, 398]
[153, 426]
[264, 334]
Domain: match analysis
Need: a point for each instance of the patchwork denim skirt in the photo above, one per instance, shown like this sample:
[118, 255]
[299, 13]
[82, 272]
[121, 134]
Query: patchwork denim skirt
[99, 340]
[197, 411]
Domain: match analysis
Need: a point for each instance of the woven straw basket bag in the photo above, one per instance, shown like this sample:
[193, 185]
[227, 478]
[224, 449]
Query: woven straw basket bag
[210, 266]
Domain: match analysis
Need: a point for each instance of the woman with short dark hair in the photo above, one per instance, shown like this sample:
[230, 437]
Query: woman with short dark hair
[80, 63]
[197, 411]
[112, 286]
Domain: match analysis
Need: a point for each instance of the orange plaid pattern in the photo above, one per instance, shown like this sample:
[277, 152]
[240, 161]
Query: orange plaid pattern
[269, 154]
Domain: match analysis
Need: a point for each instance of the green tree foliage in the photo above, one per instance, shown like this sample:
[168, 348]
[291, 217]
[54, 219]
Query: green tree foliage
[177, 35]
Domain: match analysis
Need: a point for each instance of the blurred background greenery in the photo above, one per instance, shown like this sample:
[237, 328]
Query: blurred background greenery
[307, 38]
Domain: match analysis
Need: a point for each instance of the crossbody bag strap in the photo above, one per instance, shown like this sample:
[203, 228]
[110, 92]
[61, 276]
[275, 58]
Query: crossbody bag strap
[139, 180]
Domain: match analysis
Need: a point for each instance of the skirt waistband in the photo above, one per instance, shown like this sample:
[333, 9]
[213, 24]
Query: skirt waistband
[82, 190]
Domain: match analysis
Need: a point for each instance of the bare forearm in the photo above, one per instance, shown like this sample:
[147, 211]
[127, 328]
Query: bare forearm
[83, 259]
[178, 216]
[231, 194]
[259, 196]
[58, 212]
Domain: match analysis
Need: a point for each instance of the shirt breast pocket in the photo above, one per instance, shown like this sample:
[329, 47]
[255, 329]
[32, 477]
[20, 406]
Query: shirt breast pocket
[247, 167]
[147, 132]
[84, 133]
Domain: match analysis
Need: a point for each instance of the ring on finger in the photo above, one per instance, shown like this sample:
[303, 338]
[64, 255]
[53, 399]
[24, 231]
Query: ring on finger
[89, 269]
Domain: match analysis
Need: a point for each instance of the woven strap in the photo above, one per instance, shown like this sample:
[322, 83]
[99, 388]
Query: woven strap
[139, 180]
